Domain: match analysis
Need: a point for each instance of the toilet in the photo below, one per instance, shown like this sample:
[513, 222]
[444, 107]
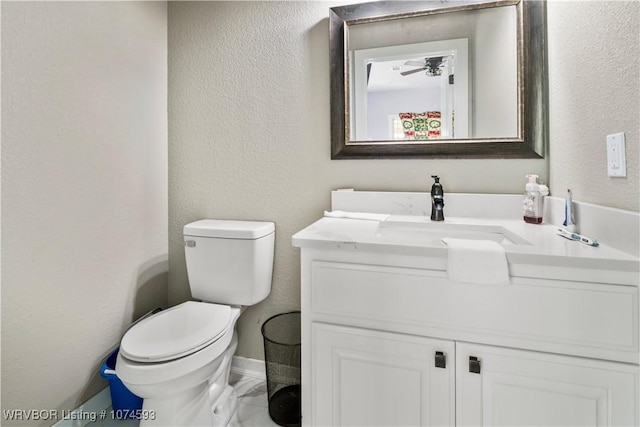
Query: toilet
[179, 359]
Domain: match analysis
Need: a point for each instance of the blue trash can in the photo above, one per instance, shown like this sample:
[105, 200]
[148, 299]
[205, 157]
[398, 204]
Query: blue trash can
[124, 403]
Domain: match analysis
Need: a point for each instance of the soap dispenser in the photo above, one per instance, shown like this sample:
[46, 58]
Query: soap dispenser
[532, 202]
[437, 200]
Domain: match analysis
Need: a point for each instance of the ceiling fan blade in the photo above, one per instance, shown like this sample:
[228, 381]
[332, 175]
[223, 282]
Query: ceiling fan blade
[415, 63]
[417, 70]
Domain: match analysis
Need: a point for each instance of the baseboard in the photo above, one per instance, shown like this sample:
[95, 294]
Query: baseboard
[246, 367]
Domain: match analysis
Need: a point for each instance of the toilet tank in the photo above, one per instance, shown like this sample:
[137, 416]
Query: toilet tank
[229, 262]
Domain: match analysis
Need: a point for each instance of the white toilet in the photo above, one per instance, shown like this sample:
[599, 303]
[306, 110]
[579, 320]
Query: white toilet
[179, 359]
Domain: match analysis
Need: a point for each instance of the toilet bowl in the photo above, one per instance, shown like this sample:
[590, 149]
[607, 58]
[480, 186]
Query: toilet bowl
[179, 359]
[182, 386]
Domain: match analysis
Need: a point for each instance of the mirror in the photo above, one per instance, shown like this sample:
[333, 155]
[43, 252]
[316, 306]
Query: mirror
[459, 79]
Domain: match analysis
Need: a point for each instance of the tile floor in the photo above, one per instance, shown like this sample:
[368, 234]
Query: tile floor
[252, 408]
[252, 402]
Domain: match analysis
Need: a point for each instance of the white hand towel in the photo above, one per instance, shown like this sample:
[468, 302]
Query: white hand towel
[477, 261]
[356, 215]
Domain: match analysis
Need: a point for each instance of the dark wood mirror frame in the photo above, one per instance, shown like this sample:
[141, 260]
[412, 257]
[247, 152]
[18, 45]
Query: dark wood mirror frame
[532, 83]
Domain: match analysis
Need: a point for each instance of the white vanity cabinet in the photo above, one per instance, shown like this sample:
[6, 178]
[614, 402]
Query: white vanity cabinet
[362, 377]
[506, 387]
[388, 339]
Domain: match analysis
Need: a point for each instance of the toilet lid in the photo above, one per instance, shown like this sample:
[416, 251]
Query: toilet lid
[175, 332]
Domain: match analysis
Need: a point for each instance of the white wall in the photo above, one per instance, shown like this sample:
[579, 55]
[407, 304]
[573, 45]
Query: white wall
[84, 190]
[594, 90]
[495, 87]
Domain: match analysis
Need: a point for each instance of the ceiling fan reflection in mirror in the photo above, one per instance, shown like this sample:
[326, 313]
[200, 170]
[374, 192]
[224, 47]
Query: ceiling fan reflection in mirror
[431, 66]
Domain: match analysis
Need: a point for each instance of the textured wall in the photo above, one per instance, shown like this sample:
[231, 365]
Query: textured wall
[84, 190]
[594, 90]
[249, 137]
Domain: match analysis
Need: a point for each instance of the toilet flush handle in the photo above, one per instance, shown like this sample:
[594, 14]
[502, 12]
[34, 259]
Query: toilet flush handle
[190, 243]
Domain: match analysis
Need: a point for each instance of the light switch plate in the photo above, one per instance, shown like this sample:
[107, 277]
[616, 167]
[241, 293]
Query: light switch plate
[616, 159]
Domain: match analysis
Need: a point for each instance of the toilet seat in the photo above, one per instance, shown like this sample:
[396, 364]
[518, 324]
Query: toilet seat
[150, 374]
[176, 332]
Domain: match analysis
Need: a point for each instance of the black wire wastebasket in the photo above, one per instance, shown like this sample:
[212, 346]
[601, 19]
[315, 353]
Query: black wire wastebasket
[281, 335]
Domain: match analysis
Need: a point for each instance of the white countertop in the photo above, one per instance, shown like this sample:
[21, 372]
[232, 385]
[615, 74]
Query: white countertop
[548, 255]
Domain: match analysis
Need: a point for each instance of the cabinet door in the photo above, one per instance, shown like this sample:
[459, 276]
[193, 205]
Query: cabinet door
[516, 388]
[362, 377]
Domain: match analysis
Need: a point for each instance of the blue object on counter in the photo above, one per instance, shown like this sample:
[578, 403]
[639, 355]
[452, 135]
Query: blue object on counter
[122, 400]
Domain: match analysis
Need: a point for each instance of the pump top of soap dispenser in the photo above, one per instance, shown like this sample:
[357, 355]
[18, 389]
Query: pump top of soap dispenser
[532, 183]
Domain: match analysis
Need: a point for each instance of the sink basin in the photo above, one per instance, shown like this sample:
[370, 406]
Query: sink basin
[433, 232]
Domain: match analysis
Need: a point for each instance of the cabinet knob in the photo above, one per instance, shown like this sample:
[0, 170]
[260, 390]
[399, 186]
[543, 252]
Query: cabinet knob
[474, 365]
[441, 360]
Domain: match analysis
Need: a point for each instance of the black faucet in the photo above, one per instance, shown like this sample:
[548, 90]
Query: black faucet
[437, 200]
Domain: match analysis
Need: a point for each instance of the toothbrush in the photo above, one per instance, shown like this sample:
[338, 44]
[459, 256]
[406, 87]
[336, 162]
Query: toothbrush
[575, 236]
[569, 223]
